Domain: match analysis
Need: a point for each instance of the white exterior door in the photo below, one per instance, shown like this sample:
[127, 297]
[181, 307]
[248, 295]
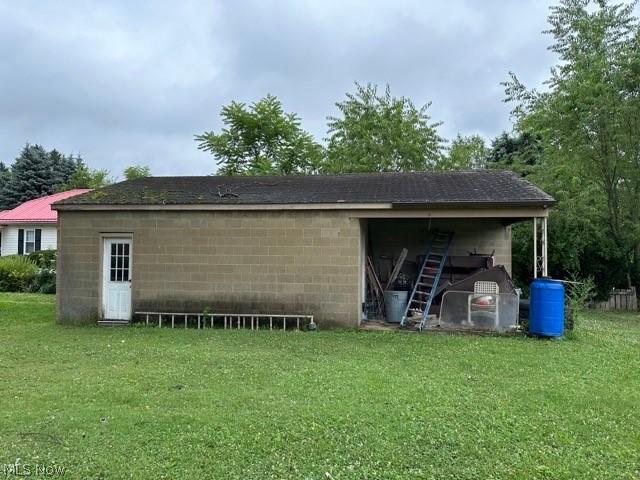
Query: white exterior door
[116, 279]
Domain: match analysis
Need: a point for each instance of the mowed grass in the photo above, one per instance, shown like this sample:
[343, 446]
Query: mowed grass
[143, 402]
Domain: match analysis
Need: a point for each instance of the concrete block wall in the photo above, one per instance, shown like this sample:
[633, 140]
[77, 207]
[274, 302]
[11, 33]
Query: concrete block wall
[299, 261]
[389, 236]
[305, 262]
[482, 235]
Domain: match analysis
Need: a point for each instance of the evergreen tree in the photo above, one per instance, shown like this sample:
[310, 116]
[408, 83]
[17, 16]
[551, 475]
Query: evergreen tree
[520, 152]
[5, 175]
[63, 167]
[31, 177]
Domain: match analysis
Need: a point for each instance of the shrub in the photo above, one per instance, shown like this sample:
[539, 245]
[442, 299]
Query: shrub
[44, 259]
[579, 293]
[44, 281]
[45, 278]
[16, 273]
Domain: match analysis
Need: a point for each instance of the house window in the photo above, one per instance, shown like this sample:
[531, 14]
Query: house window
[29, 241]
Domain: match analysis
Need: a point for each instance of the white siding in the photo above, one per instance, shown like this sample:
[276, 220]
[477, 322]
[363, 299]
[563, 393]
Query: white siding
[49, 237]
[9, 240]
[10, 237]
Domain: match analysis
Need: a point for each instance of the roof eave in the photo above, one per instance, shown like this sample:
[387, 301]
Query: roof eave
[25, 221]
[516, 204]
[225, 206]
[304, 206]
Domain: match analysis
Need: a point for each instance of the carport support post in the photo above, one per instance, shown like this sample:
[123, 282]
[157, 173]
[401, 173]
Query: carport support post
[540, 261]
[545, 271]
[535, 247]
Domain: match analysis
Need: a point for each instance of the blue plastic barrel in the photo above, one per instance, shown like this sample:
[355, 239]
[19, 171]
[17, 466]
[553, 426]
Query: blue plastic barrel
[546, 308]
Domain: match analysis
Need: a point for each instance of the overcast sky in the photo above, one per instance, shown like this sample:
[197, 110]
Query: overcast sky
[126, 82]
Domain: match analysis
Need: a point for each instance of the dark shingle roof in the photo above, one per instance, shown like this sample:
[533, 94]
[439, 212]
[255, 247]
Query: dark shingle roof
[467, 188]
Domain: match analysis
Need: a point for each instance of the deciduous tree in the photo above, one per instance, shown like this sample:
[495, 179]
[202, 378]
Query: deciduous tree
[136, 171]
[588, 120]
[261, 139]
[85, 177]
[465, 153]
[381, 133]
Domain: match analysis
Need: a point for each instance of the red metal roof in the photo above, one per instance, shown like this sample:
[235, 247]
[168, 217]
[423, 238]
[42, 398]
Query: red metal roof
[38, 210]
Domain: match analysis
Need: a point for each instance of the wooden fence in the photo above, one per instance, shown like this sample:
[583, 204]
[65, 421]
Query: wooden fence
[623, 299]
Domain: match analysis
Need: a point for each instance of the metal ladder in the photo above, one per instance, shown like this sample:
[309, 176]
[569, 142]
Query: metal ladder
[426, 285]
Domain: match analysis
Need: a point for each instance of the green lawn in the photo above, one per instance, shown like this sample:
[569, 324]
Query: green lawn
[143, 402]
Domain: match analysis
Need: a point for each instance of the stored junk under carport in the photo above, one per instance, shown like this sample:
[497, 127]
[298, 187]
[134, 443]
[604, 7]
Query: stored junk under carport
[321, 246]
[455, 276]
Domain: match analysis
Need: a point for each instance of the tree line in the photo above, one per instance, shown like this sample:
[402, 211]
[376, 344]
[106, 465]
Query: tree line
[578, 139]
[37, 172]
[375, 132]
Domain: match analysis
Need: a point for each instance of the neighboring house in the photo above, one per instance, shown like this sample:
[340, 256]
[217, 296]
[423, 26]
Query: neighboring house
[31, 226]
[296, 244]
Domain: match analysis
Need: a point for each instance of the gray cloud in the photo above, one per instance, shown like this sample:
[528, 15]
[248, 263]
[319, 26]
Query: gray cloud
[132, 82]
